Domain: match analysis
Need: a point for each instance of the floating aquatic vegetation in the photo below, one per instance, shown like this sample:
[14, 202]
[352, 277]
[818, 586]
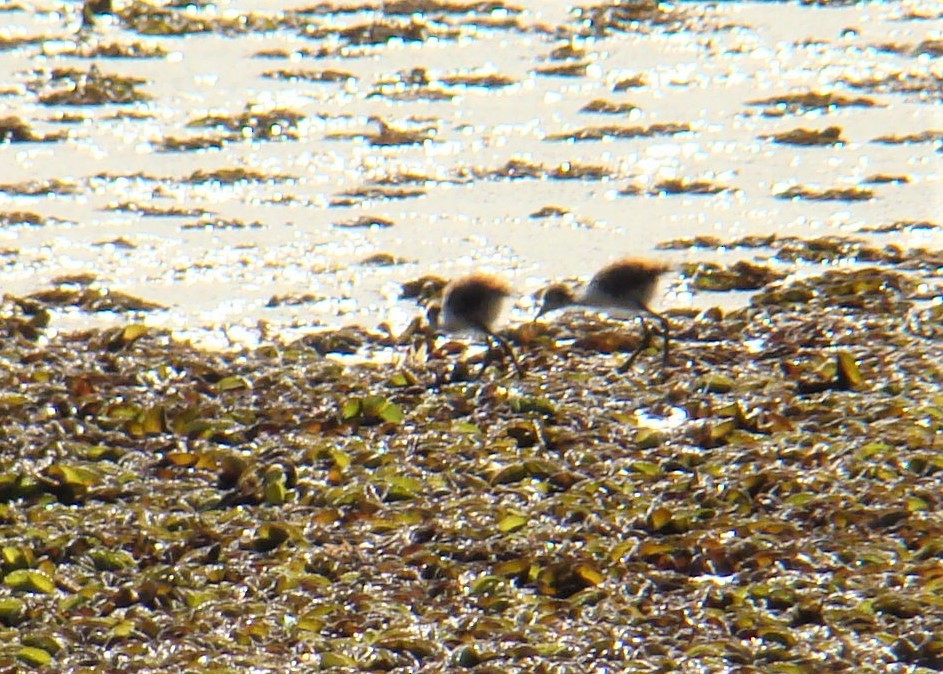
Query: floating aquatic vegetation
[900, 226]
[145, 18]
[365, 221]
[382, 31]
[686, 186]
[235, 175]
[633, 82]
[925, 85]
[564, 70]
[568, 51]
[741, 275]
[190, 144]
[922, 137]
[40, 188]
[932, 48]
[523, 168]
[410, 85]
[375, 193]
[308, 75]
[216, 223]
[828, 136]
[883, 178]
[255, 124]
[551, 212]
[118, 50]
[797, 104]
[8, 43]
[623, 17]
[14, 218]
[292, 300]
[383, 260]
[601, 132]
[153, 210]
[604, 107]
[675, 186]
[92, 299]
[484, 80]
[28, 219]
[387, 135]
[69, 86]
[15, 130]
[830, 194]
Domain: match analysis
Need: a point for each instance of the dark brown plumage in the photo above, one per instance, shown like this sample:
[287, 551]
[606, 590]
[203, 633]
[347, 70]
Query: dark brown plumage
[474, 303]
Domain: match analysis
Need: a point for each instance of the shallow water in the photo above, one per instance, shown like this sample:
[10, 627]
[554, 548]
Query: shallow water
[279, 237]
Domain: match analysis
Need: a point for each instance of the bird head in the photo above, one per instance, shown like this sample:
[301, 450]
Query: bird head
[555, 297]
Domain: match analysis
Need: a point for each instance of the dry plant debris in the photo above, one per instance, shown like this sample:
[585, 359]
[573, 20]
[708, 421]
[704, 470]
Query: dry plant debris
[15, 130]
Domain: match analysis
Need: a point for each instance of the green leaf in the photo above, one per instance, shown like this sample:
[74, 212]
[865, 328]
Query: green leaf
[337, 660]
[351, 409]
[511, 523]
[30, 580]
[12, 611]
[646, 468]
[232, 383]
[35, 657]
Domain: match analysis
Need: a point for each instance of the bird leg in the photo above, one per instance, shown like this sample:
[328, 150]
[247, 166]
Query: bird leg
[644, 344]
[647, 339]
[665, 330]
[506, 346]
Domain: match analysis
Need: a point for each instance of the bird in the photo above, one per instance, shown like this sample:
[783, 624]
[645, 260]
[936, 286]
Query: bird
[473, 303]
[622, 287]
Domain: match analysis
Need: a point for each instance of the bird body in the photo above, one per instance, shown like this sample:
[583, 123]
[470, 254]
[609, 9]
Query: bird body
[622, 287]
[473, 303]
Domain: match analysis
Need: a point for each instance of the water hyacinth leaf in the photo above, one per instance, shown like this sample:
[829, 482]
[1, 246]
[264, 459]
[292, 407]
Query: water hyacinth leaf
[512, 523]
[390, 412]
[13, 557]
[647, 468]
[659, 518]
[415, 646]
[512, 567]
[232, 383]
[269, 536]
[275, 491]
[332, 659]
[849, 374]
[402, 379]
[466, 427]
[12, 611]
[589, 574]
[112, 560]
[351, 409]
[402, 488]
[532, 404]
[125, 337]
[76, 476]
[716, 383]
[649, 438]
[104, 453]
[30, 580]
[34, 657]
